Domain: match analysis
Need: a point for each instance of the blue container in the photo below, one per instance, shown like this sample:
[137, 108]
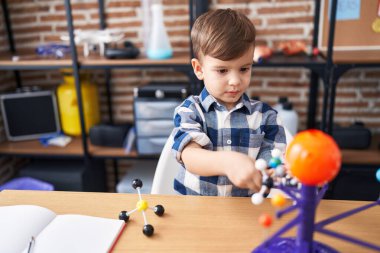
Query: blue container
[159, 54]
[159, 45]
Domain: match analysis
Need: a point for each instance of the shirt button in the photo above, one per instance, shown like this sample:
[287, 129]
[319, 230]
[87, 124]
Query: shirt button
[229, 142]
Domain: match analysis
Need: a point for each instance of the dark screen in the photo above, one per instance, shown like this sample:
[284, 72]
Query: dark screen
[30, 115]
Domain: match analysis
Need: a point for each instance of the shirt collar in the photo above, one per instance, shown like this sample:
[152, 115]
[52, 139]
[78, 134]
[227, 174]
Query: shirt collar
[208, 100]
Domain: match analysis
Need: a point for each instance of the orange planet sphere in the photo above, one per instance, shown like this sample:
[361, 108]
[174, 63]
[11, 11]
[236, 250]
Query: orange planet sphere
[313, 157]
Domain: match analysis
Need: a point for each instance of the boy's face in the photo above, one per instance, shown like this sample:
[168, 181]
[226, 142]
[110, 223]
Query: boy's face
[225, 80]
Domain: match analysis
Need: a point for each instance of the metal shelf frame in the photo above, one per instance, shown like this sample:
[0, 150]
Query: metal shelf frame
[321, 68]
[333, 72]
[11, 42]
[195, 6]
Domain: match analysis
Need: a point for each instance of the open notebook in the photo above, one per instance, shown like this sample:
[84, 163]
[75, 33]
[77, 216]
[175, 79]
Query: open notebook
[55, 233]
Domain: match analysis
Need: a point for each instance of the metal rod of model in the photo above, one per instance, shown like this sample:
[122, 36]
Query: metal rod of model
[142, 205]
[314, 159]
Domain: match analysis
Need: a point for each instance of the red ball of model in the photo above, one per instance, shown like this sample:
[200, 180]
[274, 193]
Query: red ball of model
[265, 220]
[313, 157]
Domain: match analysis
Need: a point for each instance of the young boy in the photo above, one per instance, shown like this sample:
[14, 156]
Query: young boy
[219, 134]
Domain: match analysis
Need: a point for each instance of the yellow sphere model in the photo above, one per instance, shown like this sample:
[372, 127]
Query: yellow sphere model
[142, 205]
[278, 200]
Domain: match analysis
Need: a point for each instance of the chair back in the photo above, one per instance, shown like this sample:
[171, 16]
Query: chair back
[166, 170]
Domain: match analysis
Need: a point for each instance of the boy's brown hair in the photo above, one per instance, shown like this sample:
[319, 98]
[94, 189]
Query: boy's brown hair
[224, 34]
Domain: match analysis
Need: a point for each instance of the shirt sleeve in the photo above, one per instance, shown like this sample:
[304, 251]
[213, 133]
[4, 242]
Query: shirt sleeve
[188, 126]
[274, 135]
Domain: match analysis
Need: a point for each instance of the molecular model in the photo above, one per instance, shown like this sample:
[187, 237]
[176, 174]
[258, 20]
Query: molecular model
[314, 159]
[142, 205]
[273, 175]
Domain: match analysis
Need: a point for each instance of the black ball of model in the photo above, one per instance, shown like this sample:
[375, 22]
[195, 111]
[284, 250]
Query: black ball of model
[159, 210]
[137, 183]
[269, 183]
[148, 230]
[123, 215]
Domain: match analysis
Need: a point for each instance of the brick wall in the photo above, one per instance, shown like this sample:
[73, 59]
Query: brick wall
[41, 21]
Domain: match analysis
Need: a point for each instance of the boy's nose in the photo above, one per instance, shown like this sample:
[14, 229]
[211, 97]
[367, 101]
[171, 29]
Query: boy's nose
[234, 80]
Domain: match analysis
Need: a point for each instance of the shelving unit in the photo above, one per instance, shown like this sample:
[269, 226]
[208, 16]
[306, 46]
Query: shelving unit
[343, 62]
[363, 162]
[339, 63]
[75, 148]
[321, 67]
[330, 67]
[318, 66]
[80, 147]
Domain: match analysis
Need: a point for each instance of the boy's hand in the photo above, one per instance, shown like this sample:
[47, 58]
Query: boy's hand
[240, 170]
[238, 167]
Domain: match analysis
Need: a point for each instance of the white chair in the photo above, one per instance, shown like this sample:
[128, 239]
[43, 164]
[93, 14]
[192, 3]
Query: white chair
[167, 168]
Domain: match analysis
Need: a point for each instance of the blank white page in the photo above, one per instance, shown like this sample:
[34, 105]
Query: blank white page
[78, 233]
[19, 223]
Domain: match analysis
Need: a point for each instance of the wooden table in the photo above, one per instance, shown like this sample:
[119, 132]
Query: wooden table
[197, 224]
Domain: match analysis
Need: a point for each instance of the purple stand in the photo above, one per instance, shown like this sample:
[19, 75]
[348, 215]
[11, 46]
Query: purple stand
[307, 201]
[289, 245]
[306, 221]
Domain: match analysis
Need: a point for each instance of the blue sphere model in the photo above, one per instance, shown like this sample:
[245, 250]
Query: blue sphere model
[378, 175]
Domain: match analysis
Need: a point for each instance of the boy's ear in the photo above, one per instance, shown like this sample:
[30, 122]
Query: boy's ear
[197, 67]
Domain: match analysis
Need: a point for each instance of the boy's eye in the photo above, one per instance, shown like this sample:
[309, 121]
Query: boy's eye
[222, 71]
[245, 69]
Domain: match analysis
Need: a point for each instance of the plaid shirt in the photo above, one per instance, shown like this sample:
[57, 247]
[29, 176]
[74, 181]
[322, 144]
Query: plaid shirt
[251, 127]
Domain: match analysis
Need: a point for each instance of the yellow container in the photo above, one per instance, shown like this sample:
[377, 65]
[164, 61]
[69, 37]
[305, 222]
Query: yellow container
[68, 103]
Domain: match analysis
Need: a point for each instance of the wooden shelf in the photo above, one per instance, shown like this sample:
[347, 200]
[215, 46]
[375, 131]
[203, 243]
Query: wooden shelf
[93, 61]
[101, 62]
[356, 57]
[73, 149]
[369, 156]
[301, 60]
[107, 152]
[33, 147]
[33, 62]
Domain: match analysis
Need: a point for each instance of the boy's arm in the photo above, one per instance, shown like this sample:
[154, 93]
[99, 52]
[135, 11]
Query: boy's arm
[274, 136]
[189, 138]
[238, 167]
